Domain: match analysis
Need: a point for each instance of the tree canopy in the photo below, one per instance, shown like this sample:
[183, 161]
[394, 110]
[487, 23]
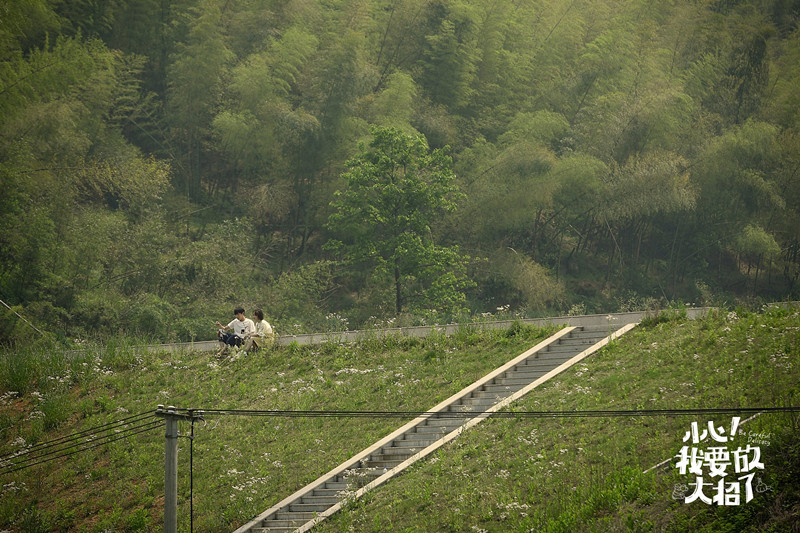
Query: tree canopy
[599, 155]
[394, 191]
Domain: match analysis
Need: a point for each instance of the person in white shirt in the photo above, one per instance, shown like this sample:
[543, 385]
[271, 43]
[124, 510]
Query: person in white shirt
[240, 328]
[263, 336]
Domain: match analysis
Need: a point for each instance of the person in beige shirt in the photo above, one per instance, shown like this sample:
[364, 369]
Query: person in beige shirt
[263, 335]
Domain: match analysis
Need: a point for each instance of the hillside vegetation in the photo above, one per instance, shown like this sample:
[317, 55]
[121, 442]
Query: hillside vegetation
[346, 163]
[512, 474]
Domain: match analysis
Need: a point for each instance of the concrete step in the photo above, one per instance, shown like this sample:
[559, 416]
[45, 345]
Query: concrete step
[331, 490]
[381, 464]
[472, 405]
[334, 485]
[590, 335]
[393, 454]
[516, 380]
[482, 395]
[578, 344]
[508, 390]
[561, 349]
[407, 451]
[545, 364]
[328, 493]
[527, 373]
[558, 355]
[270, 525]
[605, 330]
[439, 431]
[576, 340]
[364, 472]
[384, 463]
[320, 500]
[479, 398]
[356, 477]
[289, 515]
[523, 370]
[420, 440]
[437, 425]
[312, 508]
[414, 440]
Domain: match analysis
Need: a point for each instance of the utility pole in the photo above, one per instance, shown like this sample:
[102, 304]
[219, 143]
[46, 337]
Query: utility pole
[171, 417]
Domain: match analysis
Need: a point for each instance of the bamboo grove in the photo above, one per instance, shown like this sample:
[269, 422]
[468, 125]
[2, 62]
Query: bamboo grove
[350, 162]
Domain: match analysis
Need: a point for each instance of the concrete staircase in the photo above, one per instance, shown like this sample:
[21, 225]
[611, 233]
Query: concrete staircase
[425, 434]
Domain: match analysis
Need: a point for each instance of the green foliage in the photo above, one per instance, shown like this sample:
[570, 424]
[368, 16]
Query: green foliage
[652, 185]
[587, 474]
[451, 55]
[263, 124]
[394, 105]
[134, 184]
[644, 149]
[737, 187]
[194, 79]
[536, 286]
[301, 296]
[396, 190]
[118, 486]
[754, 242]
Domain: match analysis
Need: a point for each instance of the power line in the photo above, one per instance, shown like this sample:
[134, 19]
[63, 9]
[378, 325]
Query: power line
[77, 435]
[22, 317]
[136, 424]
[33, 459]
[67, 452]
[40, 453]
[498, 414]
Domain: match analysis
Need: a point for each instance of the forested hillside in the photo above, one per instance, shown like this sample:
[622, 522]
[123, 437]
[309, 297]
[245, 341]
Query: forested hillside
[347, 162]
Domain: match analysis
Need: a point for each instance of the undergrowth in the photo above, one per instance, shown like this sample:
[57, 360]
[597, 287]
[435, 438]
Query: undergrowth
[507, 474]
[241, 464]
[588, 474]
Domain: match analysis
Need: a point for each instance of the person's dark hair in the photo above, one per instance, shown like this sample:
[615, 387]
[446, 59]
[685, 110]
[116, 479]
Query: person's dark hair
[259, 314]
[238, 310]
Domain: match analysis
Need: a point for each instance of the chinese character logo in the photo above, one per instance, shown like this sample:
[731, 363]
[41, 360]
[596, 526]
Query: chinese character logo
[719, 471]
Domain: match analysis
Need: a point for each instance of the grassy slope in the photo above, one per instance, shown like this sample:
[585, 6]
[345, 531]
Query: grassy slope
[573, 474]
[505, 475]
[242, 465]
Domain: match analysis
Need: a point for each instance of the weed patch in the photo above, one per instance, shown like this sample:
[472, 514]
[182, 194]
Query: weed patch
[587, 474]
[242, 465]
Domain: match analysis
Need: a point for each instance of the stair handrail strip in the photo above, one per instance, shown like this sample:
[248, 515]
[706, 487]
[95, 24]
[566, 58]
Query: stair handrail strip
[364, 454]
[470, 423]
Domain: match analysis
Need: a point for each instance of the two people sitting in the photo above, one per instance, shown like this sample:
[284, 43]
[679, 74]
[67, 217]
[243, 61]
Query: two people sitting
[243, 331]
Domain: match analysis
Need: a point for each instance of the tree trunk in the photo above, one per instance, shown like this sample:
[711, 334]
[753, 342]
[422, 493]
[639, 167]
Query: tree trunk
[398, 302]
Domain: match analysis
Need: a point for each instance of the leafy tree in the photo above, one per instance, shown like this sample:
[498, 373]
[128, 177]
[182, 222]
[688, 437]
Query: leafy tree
[194, 83]
[753, 244]
[260, 126]
[736, 175]
[302, 295]
[394, 105]
[536, 288]
[395, 190]
[52, 127]
[399, 38]
[24, 25]
[451, 56]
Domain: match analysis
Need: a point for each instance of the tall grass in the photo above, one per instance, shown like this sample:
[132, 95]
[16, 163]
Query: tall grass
[242, 465]
[587, 474]
[510, 474]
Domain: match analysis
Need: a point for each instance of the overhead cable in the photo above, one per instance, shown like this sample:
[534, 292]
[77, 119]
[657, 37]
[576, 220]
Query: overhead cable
[466, 413]
[26, 459]
[110, 426]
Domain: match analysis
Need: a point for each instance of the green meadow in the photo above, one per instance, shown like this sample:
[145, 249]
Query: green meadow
[517, 473]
